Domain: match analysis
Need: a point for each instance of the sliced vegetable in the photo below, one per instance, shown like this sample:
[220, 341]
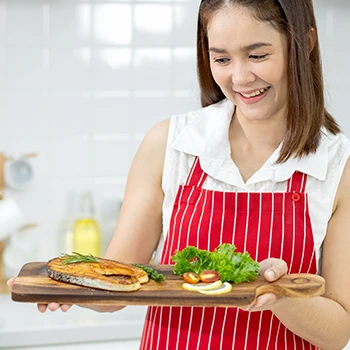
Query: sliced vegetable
[224, 288]
[208, 276]
[201, 286]
[191, 277]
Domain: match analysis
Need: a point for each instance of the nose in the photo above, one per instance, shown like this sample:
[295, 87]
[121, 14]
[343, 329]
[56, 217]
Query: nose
[241, 74]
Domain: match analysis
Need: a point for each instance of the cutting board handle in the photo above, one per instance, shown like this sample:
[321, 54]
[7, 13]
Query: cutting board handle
[294, 285]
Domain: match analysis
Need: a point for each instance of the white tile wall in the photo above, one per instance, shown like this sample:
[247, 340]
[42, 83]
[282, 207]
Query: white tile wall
[333, 21]
[83, 80]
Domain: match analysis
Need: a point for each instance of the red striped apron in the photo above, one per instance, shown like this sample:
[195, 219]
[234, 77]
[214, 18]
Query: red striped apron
[264, 224]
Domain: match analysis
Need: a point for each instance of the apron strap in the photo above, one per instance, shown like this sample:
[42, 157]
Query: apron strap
[297, 182]
[196, 176]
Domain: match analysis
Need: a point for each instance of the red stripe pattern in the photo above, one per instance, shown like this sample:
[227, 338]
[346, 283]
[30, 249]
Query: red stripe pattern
[264, 224]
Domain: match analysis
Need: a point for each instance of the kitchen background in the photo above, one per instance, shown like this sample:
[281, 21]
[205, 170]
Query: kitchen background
[81, 83]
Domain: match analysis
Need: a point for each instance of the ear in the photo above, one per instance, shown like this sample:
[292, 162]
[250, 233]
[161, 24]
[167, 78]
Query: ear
[312, 39]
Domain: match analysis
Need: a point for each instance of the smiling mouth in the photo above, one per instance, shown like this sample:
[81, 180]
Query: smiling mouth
[255, 93]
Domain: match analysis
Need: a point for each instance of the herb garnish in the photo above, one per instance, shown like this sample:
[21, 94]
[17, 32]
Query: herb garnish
[232, 266]
[153, 274]
[77, 258]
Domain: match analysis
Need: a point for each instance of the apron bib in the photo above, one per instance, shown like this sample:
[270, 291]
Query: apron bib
[275, 225]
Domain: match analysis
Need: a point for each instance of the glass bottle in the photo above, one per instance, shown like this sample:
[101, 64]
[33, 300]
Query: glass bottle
[86, 232]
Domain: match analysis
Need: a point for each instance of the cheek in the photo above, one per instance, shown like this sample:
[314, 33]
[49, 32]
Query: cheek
[275, 74]
[219, 76]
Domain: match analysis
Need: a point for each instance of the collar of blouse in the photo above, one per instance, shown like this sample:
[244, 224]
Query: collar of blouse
[205, 136]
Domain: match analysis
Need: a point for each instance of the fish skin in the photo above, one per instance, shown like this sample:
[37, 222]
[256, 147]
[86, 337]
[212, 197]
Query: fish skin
[105, 274]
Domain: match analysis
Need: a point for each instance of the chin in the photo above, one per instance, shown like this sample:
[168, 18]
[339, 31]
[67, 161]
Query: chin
[255, 116]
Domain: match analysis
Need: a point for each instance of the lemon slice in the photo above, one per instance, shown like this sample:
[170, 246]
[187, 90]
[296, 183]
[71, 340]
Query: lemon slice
[202, 286]
[224, 288]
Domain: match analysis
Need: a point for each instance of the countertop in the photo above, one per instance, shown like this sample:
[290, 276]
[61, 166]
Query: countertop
[21, 324]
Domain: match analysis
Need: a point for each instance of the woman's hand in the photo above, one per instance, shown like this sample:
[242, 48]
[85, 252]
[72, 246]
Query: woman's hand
[65, 307]
[272, 269]
[53, 307]
[44, 307]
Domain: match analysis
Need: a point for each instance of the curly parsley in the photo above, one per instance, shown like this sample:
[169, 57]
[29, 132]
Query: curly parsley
[152, 273]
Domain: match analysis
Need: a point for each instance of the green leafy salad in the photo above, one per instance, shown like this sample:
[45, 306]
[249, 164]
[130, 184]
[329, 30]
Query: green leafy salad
[232, 266]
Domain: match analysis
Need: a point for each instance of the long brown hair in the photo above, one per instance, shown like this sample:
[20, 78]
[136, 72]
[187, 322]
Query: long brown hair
[306, 112]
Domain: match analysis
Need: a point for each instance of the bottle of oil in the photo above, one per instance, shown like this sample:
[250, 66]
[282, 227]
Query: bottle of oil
[86, 232]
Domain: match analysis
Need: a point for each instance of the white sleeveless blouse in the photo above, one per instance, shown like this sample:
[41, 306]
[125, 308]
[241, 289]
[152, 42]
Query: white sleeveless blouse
[204, 133]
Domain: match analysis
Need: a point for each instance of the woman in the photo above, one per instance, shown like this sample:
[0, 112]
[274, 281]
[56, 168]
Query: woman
[263, 166]
[270, 173]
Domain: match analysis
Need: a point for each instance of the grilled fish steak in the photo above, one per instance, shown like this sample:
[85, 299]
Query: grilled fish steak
[104, 274]
[140, 274]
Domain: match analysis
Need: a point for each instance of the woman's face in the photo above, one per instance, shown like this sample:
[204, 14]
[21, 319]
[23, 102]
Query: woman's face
[248, 60]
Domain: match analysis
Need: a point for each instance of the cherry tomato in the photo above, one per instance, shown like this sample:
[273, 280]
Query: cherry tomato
[209, 276]
[191, 277]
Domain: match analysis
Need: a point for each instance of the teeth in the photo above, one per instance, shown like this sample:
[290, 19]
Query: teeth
[255, 93]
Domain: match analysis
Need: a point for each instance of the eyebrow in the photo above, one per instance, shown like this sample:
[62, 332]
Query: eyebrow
[244, 48]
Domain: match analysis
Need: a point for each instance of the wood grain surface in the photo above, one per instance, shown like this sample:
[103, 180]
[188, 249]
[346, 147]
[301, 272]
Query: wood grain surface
[34, 286]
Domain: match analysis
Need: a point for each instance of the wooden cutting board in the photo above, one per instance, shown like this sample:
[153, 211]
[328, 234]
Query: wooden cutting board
[34, 286]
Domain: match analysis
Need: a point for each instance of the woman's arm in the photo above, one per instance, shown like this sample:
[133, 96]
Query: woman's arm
[325, 321]
[140, 222]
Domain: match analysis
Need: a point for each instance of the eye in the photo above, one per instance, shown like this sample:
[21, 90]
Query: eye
[258, 57]
[221, 60]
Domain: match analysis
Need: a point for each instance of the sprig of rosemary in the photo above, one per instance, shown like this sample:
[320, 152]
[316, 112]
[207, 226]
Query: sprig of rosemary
[77, 258]
[152, 273]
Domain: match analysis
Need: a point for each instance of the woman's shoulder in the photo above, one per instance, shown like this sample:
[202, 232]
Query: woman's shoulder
[339, 152]
[338, 147]
[181, 120]
[201, 118]
[343, 190]
[158, 132]
[155, 140]
[338, 167]
[164, 132]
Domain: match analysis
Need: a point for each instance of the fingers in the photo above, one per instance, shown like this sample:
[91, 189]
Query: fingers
[53, 307]
[65, 307]
[263, 302]
[42, 307]
[273, 269]
[11, 281]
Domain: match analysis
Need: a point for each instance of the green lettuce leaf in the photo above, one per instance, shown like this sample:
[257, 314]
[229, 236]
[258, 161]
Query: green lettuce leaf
[191, 259]
[232, 266]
